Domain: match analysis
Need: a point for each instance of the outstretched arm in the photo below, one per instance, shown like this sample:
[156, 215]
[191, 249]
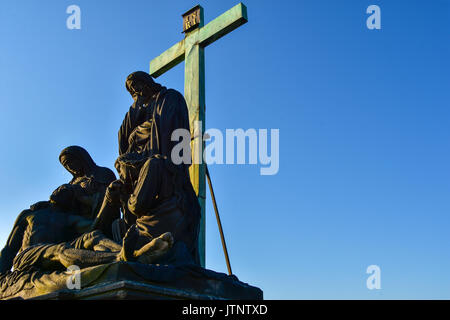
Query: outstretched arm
[110, 209]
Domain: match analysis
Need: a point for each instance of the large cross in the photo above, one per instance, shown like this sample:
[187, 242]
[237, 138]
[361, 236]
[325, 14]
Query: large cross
[191, 49]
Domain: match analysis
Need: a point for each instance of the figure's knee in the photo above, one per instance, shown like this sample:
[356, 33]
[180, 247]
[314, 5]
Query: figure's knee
[22, 217]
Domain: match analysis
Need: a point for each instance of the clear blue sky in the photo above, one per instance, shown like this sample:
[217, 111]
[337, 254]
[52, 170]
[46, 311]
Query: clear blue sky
[364, 123]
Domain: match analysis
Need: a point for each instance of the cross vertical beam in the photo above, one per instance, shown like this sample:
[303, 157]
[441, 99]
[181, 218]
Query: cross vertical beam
[191, 49]
[194, 93]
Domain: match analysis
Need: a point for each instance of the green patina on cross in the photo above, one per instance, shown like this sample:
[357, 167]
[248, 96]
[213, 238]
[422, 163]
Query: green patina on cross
[191, 49]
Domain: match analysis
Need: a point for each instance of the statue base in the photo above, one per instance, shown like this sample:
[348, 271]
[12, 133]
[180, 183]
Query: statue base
[130, 290]
[135, 281]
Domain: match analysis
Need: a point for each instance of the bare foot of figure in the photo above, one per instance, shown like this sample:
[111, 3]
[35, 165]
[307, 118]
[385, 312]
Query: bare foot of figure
[156, 248]
[148, 253]
[129, 244]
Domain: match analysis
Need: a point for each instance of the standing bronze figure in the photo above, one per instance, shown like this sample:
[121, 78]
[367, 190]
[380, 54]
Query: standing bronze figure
[155, 195]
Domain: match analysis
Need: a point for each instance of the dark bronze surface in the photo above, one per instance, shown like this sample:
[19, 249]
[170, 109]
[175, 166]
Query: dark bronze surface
[141, 228]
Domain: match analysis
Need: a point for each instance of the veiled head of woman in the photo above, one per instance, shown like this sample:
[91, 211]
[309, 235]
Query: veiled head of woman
[77, 161]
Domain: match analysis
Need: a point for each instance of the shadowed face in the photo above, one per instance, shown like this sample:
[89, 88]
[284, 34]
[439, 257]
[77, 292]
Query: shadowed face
[136, 88]
[73, 165]
[140, 89]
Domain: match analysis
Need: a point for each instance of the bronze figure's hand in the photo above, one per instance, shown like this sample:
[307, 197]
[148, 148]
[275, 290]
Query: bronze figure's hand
[114, 190]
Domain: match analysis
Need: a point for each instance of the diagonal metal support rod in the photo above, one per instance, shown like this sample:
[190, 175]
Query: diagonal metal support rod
[219, 223]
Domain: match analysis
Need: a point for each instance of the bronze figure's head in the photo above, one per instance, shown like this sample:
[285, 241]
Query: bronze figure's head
[140, 83]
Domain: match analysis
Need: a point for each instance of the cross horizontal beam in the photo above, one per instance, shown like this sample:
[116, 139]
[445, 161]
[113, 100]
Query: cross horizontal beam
[211, 32]
[223, 24]
[167, 60]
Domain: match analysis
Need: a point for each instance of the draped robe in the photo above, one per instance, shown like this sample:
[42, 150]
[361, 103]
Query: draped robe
[166, 112]
[148, 130]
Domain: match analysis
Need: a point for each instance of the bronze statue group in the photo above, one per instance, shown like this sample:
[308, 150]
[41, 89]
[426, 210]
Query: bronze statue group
[149, 215]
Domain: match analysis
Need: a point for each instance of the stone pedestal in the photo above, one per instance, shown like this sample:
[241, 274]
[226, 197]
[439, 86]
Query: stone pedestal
[131, 290]
[135, 281]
